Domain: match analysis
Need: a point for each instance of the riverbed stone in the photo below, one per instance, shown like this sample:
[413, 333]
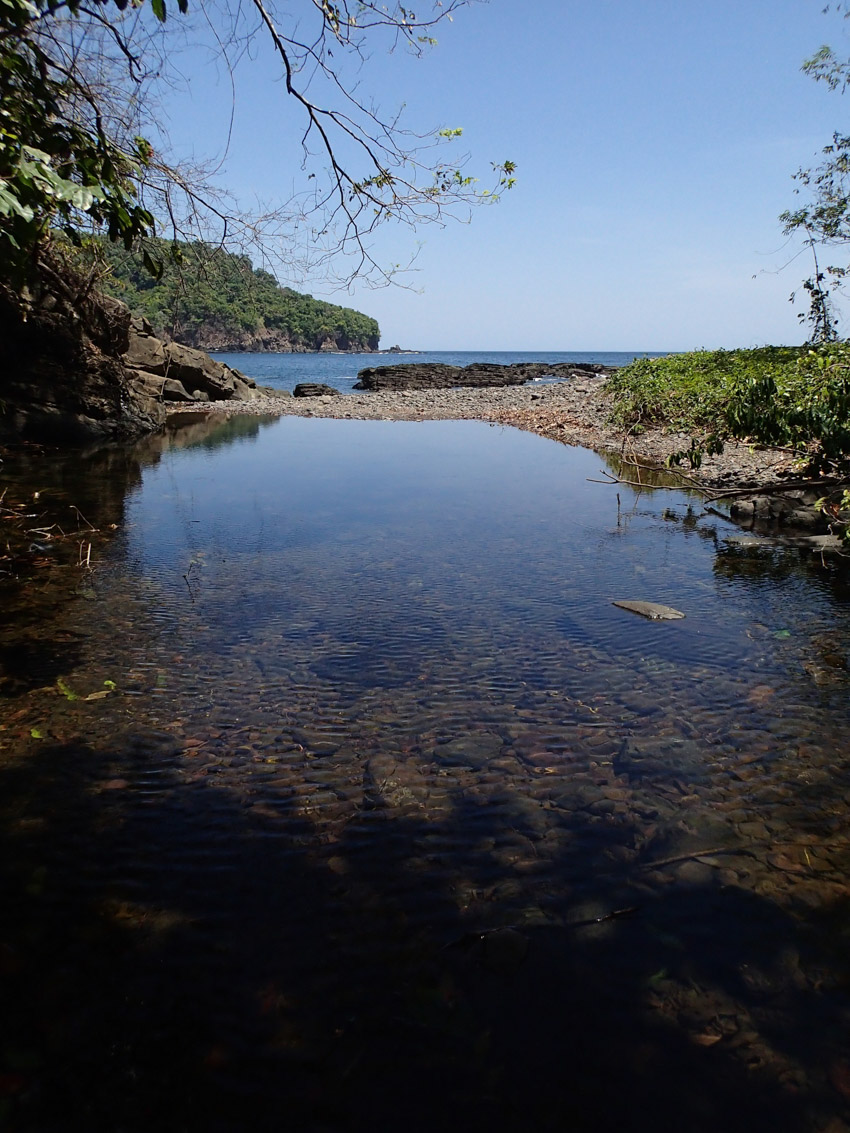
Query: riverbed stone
[474, 750]
[394, 784]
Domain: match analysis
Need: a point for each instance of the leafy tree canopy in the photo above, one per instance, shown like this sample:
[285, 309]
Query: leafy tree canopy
[212, 291]
[78, 77]
[824, 218]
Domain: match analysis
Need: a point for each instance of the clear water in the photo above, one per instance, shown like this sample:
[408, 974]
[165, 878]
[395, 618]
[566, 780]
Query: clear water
[285, 371]
[388, 818]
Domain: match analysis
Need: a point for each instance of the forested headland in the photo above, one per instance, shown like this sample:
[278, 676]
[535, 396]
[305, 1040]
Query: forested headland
[212, 299]
[85, 158]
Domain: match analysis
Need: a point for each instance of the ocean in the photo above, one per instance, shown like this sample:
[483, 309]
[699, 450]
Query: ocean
[285, 371]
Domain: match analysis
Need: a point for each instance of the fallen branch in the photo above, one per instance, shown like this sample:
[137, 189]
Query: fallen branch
[639, 484]
[696, 854]
[83, 518]
[776, 488]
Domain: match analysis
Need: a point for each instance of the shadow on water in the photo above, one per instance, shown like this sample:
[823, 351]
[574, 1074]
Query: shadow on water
[194, 941]
[261, 980]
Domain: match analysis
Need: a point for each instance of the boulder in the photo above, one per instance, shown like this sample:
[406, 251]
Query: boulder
[196, 370]
[242, 390]
[314, 389]
[145, 383]
[244, 378]
[144, 351]
[172, 390]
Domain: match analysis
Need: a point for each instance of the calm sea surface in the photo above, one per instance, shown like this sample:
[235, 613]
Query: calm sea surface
[335, 794]
[284, 371]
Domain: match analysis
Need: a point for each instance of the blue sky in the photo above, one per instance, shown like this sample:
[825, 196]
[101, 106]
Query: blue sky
[655, 141]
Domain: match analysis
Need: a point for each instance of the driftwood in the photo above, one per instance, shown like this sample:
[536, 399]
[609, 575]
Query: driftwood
[778, 487]
[775, 488]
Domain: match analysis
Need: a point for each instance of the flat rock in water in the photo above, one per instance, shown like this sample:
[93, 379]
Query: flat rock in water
[651, 610]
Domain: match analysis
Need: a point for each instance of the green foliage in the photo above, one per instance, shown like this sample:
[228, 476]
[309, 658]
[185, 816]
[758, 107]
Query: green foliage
[55, 170]
[195, 286]
[790, 396]
[824, 218]
[75, 83]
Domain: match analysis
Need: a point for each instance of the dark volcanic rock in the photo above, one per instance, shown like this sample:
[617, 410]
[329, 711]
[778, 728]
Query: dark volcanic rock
[437, 375]
[314, 389]
[80, 368]
[64, 380]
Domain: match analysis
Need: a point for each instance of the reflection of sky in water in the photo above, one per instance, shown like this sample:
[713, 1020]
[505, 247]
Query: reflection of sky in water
[456, 523]
[371, 700]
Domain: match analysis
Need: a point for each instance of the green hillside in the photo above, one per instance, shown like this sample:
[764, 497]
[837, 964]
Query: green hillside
[216, 300]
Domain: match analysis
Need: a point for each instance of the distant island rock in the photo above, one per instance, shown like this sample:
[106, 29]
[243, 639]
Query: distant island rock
[438, 375]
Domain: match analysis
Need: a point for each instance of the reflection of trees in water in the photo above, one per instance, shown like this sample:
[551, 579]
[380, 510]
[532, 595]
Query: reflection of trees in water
[648, 476]
[774, 562]
[73, 499]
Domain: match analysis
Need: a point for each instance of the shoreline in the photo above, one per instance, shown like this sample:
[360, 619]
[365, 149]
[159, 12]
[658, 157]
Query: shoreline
[571, 412]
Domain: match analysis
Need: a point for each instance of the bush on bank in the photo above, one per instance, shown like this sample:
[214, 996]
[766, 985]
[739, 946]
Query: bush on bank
[795, 397]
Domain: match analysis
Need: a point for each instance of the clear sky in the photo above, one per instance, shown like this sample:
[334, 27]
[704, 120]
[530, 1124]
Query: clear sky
[655, 141]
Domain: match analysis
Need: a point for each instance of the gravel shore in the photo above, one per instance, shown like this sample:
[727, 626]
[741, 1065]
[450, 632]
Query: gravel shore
[573, 412]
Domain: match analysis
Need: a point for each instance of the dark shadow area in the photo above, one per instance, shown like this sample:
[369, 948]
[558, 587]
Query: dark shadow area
[30, 664]
[174, 957]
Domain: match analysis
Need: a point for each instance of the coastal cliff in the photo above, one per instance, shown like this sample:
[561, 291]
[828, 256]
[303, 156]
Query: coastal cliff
[214, 300]
[80, 368]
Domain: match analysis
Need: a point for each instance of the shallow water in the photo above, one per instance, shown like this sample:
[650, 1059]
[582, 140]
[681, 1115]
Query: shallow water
[368, 755]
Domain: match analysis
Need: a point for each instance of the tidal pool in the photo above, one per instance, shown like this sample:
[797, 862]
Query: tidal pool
[336, 794]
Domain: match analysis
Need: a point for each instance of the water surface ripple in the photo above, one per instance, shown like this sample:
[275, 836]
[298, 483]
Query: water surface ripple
[338, 796]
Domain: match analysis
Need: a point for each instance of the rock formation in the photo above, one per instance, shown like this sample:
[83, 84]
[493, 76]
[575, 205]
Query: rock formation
[437, 375]
[315, 389]
[79, 368]
[168, 371]
[64, 379]
[271, 340]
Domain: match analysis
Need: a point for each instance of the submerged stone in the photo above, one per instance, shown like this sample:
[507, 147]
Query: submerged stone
[475, 750]
[652, 610]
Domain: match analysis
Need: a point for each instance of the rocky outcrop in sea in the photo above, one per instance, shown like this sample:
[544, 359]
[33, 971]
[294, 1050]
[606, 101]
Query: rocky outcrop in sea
[438, 375]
